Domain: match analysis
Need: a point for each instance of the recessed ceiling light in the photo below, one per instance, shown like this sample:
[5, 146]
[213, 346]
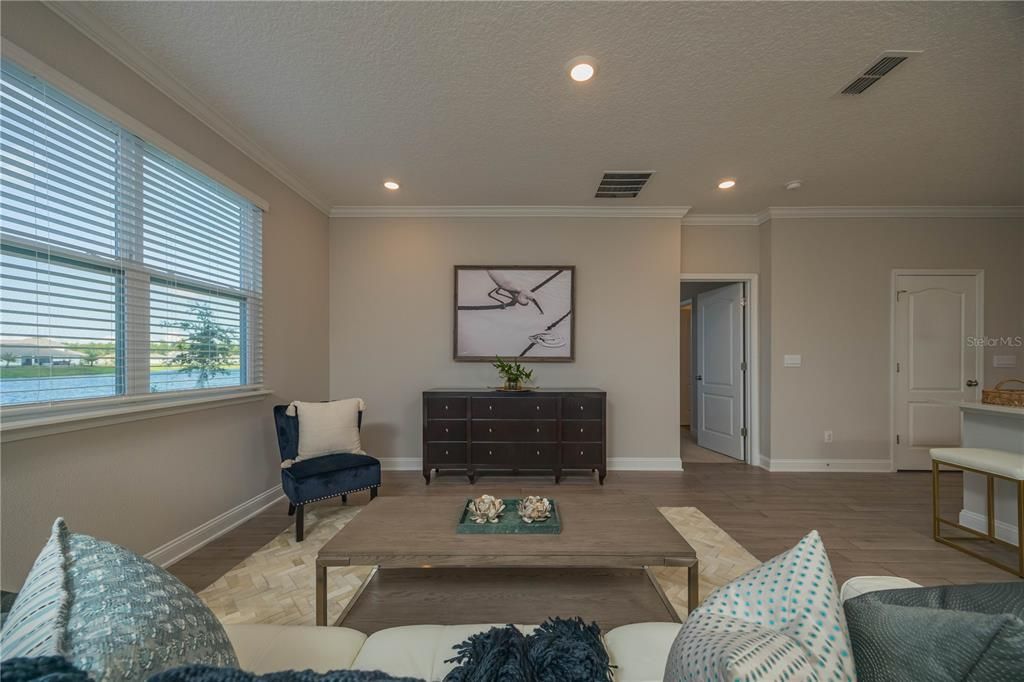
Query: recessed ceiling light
[391, 185]
[727, 184]
[581, 69]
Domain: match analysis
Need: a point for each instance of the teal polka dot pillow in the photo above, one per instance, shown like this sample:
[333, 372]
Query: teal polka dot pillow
[780, 621]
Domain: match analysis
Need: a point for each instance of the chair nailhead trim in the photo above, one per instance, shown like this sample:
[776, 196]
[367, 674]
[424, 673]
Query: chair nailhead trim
[327, 497]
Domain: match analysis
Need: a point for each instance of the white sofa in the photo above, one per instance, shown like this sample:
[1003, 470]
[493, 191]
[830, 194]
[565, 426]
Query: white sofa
[639, 651]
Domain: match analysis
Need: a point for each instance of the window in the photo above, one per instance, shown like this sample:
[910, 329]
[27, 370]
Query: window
[123, 271]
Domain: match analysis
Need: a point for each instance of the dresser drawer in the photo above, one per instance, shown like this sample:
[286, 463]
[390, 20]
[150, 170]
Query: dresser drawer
[582, 407]
[519, 407]
[582, 456]
[515, 455]
[446, 429]
[517, 431]
[583, 431]
[446, 453]
[446, 408]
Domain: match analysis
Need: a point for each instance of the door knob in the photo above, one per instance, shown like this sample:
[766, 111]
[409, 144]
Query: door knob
[699, 378]
[972, 382]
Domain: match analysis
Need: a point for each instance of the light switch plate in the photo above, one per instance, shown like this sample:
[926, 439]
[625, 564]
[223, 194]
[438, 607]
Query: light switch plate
[792, 360]
[1004, 360]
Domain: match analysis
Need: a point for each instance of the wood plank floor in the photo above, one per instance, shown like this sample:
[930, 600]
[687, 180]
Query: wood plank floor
[872, 524]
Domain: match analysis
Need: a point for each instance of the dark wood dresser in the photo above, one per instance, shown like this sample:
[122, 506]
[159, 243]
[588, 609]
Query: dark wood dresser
[543, 430]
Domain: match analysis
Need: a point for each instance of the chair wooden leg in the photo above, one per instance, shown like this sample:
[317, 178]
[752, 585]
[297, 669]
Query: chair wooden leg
[300, 531]
[373, 493]
[291, 509]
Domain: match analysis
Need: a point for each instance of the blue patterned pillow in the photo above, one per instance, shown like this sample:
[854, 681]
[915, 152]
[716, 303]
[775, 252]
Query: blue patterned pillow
[780, 621]
[35, 625]
[125, 618]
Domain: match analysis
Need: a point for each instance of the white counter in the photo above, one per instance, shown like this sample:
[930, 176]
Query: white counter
[1017, 412]
[1000, 428]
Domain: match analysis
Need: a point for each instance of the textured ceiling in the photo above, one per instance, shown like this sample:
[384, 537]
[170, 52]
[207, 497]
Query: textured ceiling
[469, 103]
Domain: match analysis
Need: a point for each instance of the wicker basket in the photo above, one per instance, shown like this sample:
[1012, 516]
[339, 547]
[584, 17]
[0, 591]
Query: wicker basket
[1008, 397]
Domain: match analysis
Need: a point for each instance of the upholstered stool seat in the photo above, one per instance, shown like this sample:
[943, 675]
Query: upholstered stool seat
[992, 464]
[999, 462]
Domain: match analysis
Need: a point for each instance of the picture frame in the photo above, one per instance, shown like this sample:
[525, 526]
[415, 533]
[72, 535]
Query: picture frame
[516, 312]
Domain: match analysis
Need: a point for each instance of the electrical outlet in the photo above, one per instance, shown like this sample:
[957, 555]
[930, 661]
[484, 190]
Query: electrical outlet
[828, 436]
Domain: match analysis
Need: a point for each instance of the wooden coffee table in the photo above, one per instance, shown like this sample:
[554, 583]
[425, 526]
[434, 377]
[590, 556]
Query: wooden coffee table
[598, 567]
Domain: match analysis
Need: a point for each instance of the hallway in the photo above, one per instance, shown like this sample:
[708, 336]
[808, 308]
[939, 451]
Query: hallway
[691, 453]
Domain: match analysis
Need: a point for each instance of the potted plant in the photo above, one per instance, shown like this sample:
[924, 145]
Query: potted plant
[513, 373]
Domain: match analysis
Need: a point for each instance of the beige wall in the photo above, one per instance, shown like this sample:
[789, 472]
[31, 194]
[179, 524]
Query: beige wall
[720, 249]
[764, 338]
[830, 302]
[145, 483]
[391, 318]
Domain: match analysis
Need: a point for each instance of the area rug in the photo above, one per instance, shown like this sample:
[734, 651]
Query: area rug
[276, 583]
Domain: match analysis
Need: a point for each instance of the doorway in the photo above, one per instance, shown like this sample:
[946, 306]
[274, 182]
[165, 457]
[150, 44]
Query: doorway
[718, 368]
[934, 368]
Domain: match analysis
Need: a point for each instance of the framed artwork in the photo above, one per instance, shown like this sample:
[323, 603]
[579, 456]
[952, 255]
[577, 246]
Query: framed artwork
[526, 312]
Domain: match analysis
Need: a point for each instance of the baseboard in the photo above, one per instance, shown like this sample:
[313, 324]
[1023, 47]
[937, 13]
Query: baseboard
[401, 463]
[839, 465]
[645, 464]
[180, 547]
[614, 464]
[1004, 531]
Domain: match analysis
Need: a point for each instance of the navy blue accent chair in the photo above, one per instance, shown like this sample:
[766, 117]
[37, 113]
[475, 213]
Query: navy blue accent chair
[320, 478]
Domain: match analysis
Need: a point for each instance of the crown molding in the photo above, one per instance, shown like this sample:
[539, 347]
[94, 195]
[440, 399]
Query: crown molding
[797, 212]
[82, 18]
[676, 212]
[723, 220]
[801, 212]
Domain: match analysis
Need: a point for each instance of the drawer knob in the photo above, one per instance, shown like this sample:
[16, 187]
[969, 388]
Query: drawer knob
[581, 452]
[581, 429]
[446, 452]
[538, 408]
[446, 429]
[490, 430]
[490, 452]
[490, 407]
[538, 452]
[581, 408]
[538, 429]
[446, 407]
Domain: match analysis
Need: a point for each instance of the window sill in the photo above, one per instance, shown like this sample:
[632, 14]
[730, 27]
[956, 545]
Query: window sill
[34, 422]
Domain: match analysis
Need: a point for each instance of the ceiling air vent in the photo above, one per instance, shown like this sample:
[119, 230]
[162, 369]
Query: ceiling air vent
[622, 184]
[871, 75]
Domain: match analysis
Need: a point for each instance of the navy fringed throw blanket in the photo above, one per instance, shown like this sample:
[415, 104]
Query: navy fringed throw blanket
[560, 650]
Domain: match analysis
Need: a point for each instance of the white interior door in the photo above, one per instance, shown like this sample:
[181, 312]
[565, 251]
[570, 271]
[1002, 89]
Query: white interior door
[719, 370]
[685, 369]
[936, 368]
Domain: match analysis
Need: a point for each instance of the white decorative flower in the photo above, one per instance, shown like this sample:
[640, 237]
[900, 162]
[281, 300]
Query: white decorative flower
[486, 509]
[534, 508]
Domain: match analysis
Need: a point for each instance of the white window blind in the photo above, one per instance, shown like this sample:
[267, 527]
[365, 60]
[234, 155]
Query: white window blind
[123, 271]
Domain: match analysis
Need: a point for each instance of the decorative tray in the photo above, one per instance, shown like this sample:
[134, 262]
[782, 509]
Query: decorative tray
[509, 523]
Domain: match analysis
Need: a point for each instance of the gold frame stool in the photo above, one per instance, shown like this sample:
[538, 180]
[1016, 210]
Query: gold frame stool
[992, 464]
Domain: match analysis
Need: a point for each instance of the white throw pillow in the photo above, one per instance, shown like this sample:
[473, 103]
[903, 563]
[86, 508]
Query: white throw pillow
[327, 428]
[780, 621]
